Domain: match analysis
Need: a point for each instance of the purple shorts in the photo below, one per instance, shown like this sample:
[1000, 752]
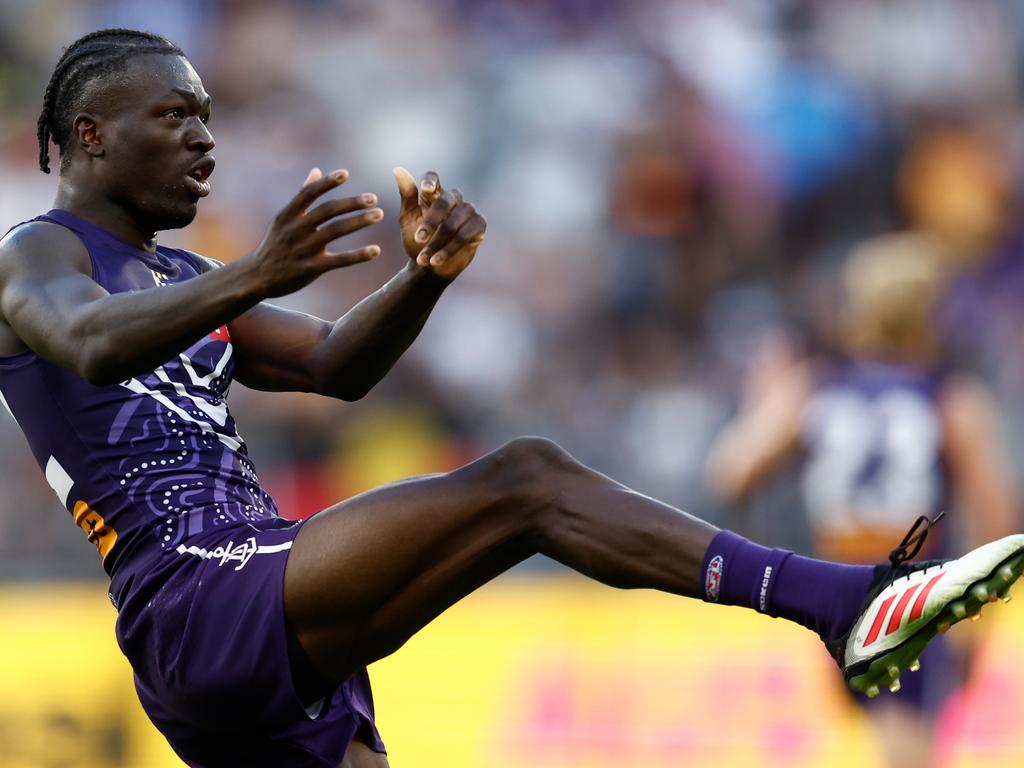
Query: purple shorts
[216, 667]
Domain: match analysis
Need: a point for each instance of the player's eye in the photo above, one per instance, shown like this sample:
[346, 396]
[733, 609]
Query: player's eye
[176, 114]
[205, 119]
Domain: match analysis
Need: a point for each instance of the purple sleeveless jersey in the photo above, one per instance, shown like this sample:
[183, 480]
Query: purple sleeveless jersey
[155, 473]
[875, 460]
[875, 456]
[150, 463]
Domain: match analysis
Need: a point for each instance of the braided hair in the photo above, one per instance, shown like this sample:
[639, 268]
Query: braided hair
[88, 60]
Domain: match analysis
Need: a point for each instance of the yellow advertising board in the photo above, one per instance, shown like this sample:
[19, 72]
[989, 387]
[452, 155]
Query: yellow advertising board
[66, 695]
[530, 671]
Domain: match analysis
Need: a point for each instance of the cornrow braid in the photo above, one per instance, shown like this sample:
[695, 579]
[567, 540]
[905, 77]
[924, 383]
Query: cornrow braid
[88, 60]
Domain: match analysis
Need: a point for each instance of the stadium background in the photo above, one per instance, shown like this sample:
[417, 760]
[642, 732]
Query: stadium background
[668, 184]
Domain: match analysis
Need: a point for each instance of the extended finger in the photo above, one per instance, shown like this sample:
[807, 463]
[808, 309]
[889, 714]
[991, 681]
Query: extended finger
[348, 258]
[446, 229]
[408, 191]
[328, 210]
[341, 227]
[437, 213]
[470, 235]
[430, 189]
[312, 190]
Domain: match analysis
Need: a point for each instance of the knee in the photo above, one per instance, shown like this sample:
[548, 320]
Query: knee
[530, 463]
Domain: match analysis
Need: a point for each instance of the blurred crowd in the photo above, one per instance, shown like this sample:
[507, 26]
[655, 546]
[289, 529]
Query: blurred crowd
[668, 185]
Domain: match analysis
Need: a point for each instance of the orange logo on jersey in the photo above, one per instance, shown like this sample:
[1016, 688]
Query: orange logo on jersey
[99, 533]
[221, 334]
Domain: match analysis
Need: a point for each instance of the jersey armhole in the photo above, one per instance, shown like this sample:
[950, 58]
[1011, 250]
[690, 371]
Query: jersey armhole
[95, 269]
[200, 264]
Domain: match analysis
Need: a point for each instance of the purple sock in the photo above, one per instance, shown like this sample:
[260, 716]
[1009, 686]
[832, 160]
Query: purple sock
[820, 595]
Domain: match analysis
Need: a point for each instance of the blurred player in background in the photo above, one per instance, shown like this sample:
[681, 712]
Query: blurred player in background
[886, 432]
[250, 634]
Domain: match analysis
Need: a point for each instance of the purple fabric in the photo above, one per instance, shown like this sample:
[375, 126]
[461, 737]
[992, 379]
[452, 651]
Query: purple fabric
[158, 477]
[820, 595]
[207, 638]
[849, 431]
[157, 457]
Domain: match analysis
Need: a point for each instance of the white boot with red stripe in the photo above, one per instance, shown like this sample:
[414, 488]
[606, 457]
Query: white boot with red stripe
[909, 604]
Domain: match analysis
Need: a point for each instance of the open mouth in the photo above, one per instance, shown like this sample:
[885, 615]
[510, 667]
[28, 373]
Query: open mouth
[196, 180]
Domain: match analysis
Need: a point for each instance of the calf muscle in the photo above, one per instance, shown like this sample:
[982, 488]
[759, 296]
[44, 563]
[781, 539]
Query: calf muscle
[366, 575]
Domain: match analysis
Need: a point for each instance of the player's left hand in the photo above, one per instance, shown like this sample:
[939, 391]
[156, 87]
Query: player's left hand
[440, 230]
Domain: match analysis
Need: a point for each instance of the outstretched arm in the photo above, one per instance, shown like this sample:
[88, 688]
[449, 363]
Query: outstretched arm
[765, 431]
[50, 302]
[278, 349]
[977, 460]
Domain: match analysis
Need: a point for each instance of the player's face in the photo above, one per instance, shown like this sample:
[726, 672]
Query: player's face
[156, 143]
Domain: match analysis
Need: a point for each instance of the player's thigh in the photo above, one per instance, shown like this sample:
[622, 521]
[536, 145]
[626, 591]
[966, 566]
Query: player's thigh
[364, 575]
[358, 755]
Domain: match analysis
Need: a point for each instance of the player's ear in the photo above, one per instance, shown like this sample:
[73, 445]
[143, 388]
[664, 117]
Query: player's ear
[88, 136]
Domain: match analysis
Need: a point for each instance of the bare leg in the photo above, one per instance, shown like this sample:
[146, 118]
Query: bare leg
[905, 735]
[367, 574]
[358, 755]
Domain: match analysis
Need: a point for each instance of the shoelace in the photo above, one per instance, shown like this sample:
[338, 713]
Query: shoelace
[907, 550]
[913, 541]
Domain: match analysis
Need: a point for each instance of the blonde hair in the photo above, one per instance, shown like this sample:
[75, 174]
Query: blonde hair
[891, 284]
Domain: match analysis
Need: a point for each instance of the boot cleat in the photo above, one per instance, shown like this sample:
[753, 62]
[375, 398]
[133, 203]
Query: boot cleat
[909, 603]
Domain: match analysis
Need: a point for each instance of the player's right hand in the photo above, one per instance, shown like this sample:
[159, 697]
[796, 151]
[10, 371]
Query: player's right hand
[294, 252]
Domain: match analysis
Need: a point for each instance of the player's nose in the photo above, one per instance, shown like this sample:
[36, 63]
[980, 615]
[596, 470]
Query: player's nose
[200, 138]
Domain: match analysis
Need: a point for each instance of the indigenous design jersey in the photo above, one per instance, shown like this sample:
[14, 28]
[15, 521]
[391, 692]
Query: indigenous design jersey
[152, 462]
[875, 458]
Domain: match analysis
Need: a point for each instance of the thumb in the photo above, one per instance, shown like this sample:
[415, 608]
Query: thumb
[313, 175]
[408, 191]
